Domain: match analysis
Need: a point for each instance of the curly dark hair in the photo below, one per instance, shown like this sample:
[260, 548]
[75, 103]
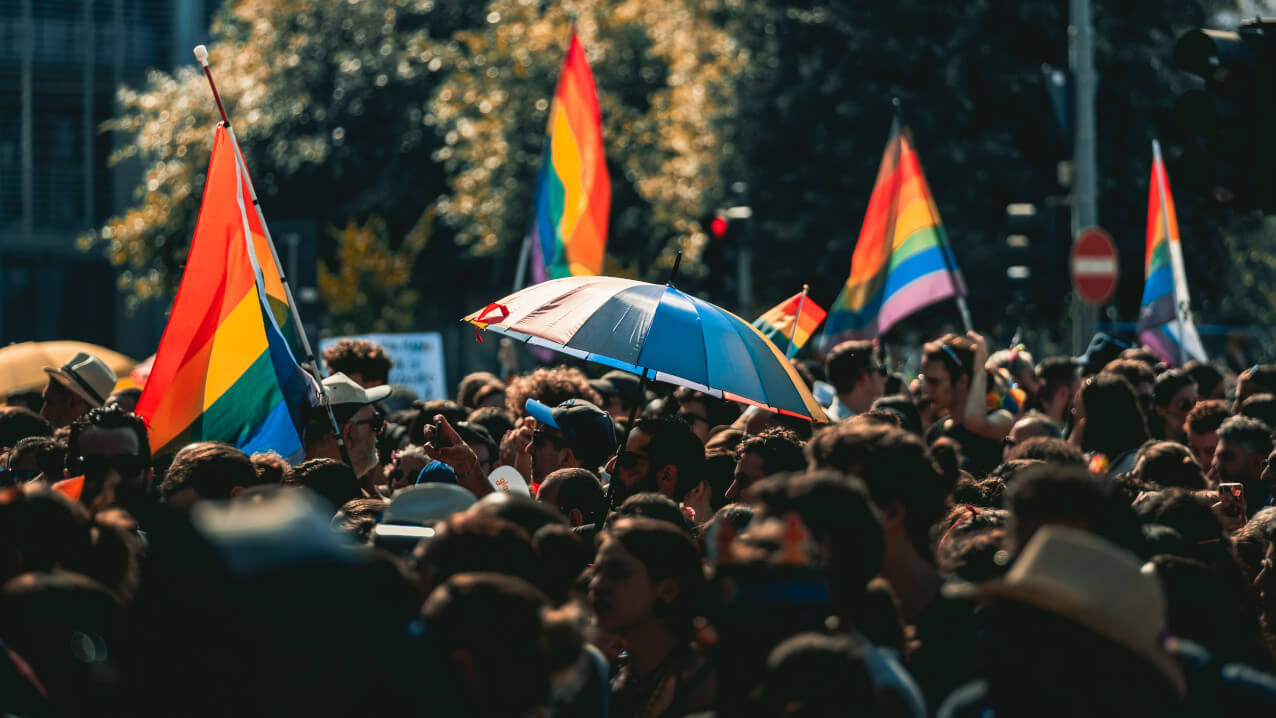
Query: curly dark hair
[357, 356]
[550, 386]
[110, 417]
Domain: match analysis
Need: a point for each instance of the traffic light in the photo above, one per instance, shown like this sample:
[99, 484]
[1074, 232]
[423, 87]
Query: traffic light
[719, 256]
[1229, 152]
[1030, 256]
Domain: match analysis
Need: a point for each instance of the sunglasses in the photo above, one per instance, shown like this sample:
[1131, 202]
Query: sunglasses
[882, 370]
[376, 422]
[627, 459]
[1185, 405]
[93, 465]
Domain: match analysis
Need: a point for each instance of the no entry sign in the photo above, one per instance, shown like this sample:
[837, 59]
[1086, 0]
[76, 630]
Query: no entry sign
[1094, 266]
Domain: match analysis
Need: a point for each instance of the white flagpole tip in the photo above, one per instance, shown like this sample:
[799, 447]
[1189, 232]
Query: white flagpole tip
[201, 54]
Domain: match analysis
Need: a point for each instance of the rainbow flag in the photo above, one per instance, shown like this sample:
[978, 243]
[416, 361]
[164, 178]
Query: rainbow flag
[788, 331]
[1165, 324]
[224, 370]
[902, 261]
[573, 191]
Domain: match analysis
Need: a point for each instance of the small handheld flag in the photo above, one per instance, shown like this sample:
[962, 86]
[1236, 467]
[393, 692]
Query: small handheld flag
[1165, 322]
[791, 323]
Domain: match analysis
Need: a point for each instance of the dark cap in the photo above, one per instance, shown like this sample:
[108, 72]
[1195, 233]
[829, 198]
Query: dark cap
[1103, 349]
[619, 383]
[589, 431]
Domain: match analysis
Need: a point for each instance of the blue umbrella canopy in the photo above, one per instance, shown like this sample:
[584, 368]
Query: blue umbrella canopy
[657, 332]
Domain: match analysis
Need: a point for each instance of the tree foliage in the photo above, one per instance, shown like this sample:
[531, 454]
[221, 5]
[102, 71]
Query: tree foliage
[663, 71]
[350, 109]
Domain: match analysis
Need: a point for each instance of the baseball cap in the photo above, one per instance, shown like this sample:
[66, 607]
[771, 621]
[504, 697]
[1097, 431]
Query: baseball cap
[341, 389]
[589, 430]
[619, 383]
[1103, 349]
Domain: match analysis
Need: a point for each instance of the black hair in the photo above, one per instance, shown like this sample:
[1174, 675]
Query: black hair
[17, 423]
[905, 407]
[212, 468]
[108, 418]
[1114, 421]
[674, 443]
[580, 489]
[780, 449]
[895, 466]
[847, 362]
[667, 552]
[1070, 495]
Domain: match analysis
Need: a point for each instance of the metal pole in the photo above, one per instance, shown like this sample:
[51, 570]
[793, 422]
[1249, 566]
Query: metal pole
[797, 321]
[523, 255]
[1085, 210]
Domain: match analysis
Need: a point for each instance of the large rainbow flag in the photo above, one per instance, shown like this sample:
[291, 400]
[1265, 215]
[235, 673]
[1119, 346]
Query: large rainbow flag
[902, 261]
[573, 191]
[788, 329]
[1165, 324]
[224, 370]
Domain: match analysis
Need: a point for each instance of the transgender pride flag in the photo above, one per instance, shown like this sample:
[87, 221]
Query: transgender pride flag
[573, 191]
[1165, 325]
[902, 261]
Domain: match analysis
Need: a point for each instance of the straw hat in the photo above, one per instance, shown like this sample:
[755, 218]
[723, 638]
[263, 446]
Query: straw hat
[87, 377]
[1092, 582]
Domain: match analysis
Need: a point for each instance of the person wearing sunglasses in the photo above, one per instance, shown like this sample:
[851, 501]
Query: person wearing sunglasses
[858, 377]
[360, 422]
[109, 453]
[1175, 395]
[574, 434]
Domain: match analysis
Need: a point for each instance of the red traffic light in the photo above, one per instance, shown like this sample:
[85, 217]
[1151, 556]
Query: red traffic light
[718, 227]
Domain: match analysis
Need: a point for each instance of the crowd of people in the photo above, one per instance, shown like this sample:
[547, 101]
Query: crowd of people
[995, 536]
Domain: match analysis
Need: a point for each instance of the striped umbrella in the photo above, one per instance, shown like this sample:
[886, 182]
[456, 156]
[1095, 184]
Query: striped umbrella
[654, 331]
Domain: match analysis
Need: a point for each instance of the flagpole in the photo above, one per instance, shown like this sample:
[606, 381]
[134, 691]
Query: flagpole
[945, 250]
[521, 272]
[797, 318]
[1176, 258]
[201, 54]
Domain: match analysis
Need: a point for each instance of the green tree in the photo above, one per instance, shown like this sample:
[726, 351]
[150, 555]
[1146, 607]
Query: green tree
[663, 72]
[328, 99]
[814, 108]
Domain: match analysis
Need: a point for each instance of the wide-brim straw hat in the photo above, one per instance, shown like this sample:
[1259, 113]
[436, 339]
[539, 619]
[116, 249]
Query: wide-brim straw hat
[1091, 582]
[87, 377]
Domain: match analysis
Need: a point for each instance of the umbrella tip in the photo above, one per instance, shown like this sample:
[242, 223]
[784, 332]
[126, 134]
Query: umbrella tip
[677, 260]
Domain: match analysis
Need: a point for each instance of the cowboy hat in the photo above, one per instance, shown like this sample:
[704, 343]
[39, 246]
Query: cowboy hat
[1091, 582]
[87, 377]
[341, 389]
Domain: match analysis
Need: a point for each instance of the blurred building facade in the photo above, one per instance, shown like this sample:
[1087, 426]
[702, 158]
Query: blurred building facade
[61, 62]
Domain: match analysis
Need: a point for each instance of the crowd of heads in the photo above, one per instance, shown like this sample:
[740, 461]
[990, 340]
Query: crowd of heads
[994, 535]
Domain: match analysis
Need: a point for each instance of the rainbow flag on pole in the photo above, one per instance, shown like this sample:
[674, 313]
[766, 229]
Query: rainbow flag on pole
[224, 370]
[788, 329]
[902, 261]
[573, 191]
[1165, 324]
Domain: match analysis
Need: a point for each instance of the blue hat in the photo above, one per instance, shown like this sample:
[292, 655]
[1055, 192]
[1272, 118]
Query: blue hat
[436, 472]
[1103, 349]
[588, 430]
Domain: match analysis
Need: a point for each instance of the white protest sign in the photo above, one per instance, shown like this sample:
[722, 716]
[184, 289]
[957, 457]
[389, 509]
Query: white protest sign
[506, 478]
[417, 357]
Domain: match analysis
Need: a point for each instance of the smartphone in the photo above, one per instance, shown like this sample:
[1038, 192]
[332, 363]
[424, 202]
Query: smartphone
[1232, 497]
[440, 439]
